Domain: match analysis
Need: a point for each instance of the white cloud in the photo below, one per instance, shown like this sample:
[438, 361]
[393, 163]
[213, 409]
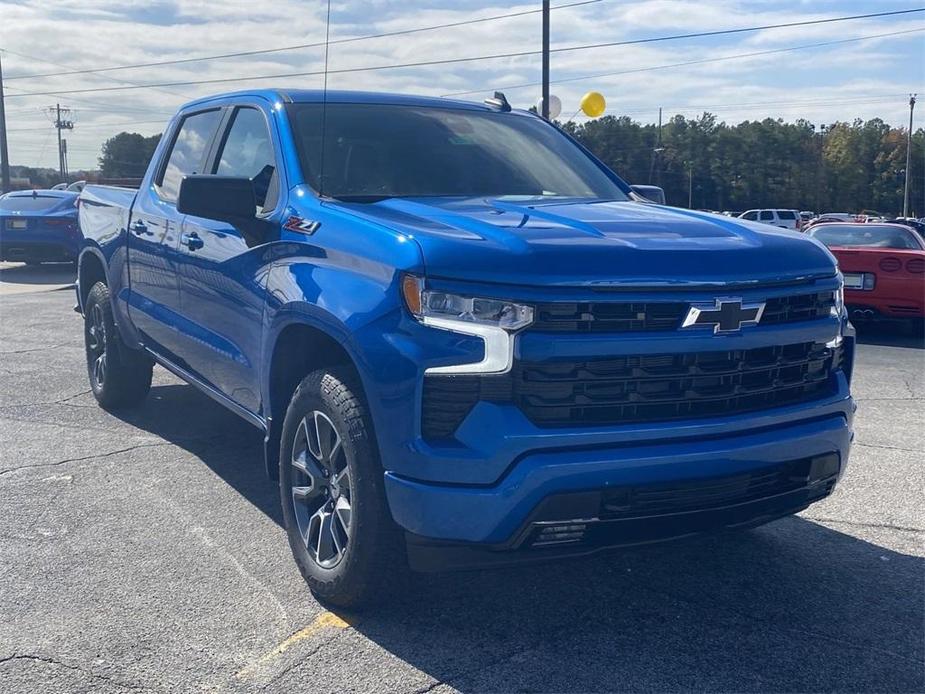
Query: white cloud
[821, 84]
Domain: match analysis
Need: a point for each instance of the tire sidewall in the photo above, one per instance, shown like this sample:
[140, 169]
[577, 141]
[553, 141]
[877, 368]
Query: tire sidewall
[99, 295]
[128, 372]
[318, 392]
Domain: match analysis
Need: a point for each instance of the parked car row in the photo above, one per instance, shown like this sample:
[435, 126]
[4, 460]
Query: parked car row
[883, 261]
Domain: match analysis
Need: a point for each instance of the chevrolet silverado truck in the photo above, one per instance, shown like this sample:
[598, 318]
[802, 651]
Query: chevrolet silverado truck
[465, 339]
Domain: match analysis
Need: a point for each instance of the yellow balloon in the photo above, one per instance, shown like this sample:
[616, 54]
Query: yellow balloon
[593, 104]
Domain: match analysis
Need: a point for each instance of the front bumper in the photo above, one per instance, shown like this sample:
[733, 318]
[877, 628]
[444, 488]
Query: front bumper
[496, 516]
[576, 530]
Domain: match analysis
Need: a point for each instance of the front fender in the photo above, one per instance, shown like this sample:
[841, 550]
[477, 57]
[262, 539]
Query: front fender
[358, 305]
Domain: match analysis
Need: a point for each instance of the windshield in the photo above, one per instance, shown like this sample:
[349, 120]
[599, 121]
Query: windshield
[865, 236]
[375, 151]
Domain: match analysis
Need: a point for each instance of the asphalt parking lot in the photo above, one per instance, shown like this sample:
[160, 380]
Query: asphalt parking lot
[144, 552]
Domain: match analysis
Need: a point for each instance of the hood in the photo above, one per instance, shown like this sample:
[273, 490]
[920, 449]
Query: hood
[592, 243]
[38, 203]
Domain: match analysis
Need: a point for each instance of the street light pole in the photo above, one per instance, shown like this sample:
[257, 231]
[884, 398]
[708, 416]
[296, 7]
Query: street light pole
[908, 157]
[545, 113]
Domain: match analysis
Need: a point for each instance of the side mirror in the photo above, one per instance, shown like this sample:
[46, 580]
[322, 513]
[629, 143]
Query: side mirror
[223, 198]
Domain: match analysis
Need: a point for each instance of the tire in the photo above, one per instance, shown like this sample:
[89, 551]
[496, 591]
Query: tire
[119, 376]
[332, 491]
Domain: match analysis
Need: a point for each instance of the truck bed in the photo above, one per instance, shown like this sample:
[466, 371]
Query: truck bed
[105, 211]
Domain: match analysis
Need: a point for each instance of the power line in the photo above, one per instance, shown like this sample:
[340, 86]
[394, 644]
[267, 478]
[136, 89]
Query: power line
[104, 106]
[317, 44]
[517, 54]
[94, 126]
[701, 61]
[108, 77]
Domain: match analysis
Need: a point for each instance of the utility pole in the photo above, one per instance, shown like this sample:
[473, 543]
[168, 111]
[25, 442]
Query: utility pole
[908, 157]
[4, 150]
[690, 186]
[545, 113]
[64, 160]
[657, 151]
[62, 124]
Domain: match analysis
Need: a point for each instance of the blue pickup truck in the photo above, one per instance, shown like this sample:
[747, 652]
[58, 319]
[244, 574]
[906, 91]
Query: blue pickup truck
[467, 341]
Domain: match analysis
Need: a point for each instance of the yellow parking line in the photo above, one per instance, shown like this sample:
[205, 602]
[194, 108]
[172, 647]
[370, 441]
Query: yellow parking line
[322, 621]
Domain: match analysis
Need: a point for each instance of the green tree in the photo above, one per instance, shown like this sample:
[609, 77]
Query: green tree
[839, 167]
[126, 155]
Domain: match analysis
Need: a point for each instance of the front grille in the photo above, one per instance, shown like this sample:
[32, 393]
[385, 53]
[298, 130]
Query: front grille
[651, 388]
[623, 317]
[602, 317]
[639, 388]
[793, 309]
[701, 494]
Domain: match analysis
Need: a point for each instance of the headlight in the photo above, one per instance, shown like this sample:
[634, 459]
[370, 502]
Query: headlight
[493, 320]
[838, 310]
[839, 307]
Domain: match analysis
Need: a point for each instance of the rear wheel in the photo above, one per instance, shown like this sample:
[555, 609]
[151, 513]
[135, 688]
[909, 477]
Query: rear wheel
[119, 376]
[342, 536]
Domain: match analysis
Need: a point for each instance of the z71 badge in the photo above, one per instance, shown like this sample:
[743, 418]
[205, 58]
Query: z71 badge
[305, 226]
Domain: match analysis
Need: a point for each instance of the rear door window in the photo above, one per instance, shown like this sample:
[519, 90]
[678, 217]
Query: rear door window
[189, 149]
[766, 216]
[786, 214]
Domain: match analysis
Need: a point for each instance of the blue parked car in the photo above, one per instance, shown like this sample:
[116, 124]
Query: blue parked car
[465, 341]
[39, 226]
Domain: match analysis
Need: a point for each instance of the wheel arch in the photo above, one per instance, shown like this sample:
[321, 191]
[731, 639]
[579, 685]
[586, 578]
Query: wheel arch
[301, 343]
[91, 268]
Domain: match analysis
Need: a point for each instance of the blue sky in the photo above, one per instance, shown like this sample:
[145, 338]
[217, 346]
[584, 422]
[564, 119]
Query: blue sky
[856, 79]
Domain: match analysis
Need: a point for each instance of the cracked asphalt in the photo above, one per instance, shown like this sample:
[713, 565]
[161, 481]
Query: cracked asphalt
[144, 552]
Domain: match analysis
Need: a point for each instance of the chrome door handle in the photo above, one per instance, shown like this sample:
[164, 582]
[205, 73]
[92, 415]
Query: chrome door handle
[191, 241]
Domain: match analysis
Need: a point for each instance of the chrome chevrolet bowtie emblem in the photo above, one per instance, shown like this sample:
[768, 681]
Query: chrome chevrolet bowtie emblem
[726, 315]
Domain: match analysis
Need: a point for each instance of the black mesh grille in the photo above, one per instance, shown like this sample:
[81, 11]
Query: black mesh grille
[639, 388]
[700, 494]
[604, 316]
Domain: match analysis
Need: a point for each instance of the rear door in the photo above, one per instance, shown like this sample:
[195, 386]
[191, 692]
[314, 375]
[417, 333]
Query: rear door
[154, 232]
[222, 277]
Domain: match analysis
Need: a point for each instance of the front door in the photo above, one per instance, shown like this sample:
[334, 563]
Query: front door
[222, 278]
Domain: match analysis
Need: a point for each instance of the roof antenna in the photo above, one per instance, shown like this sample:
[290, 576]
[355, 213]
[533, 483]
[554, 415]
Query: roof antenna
[324, 98]
[499, 101]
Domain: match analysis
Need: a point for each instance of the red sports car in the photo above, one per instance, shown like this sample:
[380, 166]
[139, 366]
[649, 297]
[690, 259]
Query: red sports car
[884, 268]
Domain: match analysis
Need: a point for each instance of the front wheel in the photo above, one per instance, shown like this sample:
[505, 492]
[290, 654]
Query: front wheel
[342, 536]
[119, 376]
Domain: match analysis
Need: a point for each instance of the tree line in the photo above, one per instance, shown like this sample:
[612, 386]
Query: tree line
[842, 167]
